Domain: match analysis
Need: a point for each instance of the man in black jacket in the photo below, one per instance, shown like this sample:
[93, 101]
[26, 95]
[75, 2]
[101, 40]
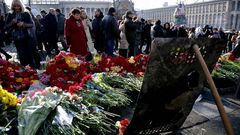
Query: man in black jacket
[110, 31]
[98, 31]
[51, 34]
[60, 29]
[130, 30]
[147, 33]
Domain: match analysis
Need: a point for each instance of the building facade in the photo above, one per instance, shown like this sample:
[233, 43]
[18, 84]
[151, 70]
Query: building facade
[3, 7]
[67, 5]
[217, 13]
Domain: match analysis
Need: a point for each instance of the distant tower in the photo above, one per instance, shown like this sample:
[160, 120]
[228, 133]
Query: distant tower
[122, 6]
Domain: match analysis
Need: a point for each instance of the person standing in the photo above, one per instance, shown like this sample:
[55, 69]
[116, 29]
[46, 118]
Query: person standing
[167, 30]
[51, 31]
[33, 39]
[17, 23]
[2, 23]
[75, 34]
[88, 27]
[147, 33]
[130, 28]
[43, 29]
[158, 31]
[98, 31]
[60, 29]
[123, 51]
[110, 31]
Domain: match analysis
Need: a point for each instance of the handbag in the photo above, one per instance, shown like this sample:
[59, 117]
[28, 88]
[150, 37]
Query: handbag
[19, 34]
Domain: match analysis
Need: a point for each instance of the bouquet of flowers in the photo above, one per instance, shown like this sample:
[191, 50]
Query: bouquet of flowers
[226, 68]
[95, 91]
[8, 112]
[126, 81]
[66, 69]
[119, 64]
[53, 111]
[15, 78]
[7, 99]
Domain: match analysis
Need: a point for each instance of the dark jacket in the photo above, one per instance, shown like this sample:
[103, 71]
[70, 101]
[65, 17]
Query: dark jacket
[24, 17]
[158, 31]
[61, 22]
[110, 27]
[51, 25]
[97, 25]
[168, 33]
[130, 30]
[147, 30]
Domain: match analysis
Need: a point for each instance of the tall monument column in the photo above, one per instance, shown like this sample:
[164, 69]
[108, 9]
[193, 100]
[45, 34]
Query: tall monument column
[122, 6]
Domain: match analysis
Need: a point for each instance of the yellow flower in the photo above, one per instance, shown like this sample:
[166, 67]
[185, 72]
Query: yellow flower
[9, 69]
[4, 107]
[19, 79]
[131, 60]
[116, 69]
[5, 100]
[97, 58]
[73, 66]
[34, 81]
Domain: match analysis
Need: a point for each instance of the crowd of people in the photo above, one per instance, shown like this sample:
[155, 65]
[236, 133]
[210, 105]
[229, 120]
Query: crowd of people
[33, 35]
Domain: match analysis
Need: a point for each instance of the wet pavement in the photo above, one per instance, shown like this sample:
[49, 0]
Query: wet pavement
[205, 119]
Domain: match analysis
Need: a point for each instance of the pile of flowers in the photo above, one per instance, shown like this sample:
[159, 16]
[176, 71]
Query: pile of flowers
[16, 78]
[7, 99]
[227, 67]
[8, 112]
[119, 64]
[54, 111]
[66, 69]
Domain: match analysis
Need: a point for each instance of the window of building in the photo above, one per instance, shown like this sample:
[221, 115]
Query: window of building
[211, 8]
[210, 20]
[231, 22]
[236, 21]
[233, 5]
[214, 20]
[238, 6]
[215, 8]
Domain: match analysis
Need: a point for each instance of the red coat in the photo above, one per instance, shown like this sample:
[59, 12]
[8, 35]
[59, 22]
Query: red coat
[76, 36]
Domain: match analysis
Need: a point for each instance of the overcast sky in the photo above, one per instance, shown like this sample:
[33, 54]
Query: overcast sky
[147, 4]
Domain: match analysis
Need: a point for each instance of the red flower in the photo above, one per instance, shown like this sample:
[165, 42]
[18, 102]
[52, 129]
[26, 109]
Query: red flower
[124, 123]
[74, 88]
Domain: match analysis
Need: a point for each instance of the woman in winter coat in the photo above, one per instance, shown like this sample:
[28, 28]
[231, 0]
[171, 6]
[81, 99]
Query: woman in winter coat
[75, 34]
[123, 51]
[87, 27]
[19, 23]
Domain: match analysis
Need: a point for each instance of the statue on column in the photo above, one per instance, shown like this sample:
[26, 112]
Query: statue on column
[122, 6]
[180, 15]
